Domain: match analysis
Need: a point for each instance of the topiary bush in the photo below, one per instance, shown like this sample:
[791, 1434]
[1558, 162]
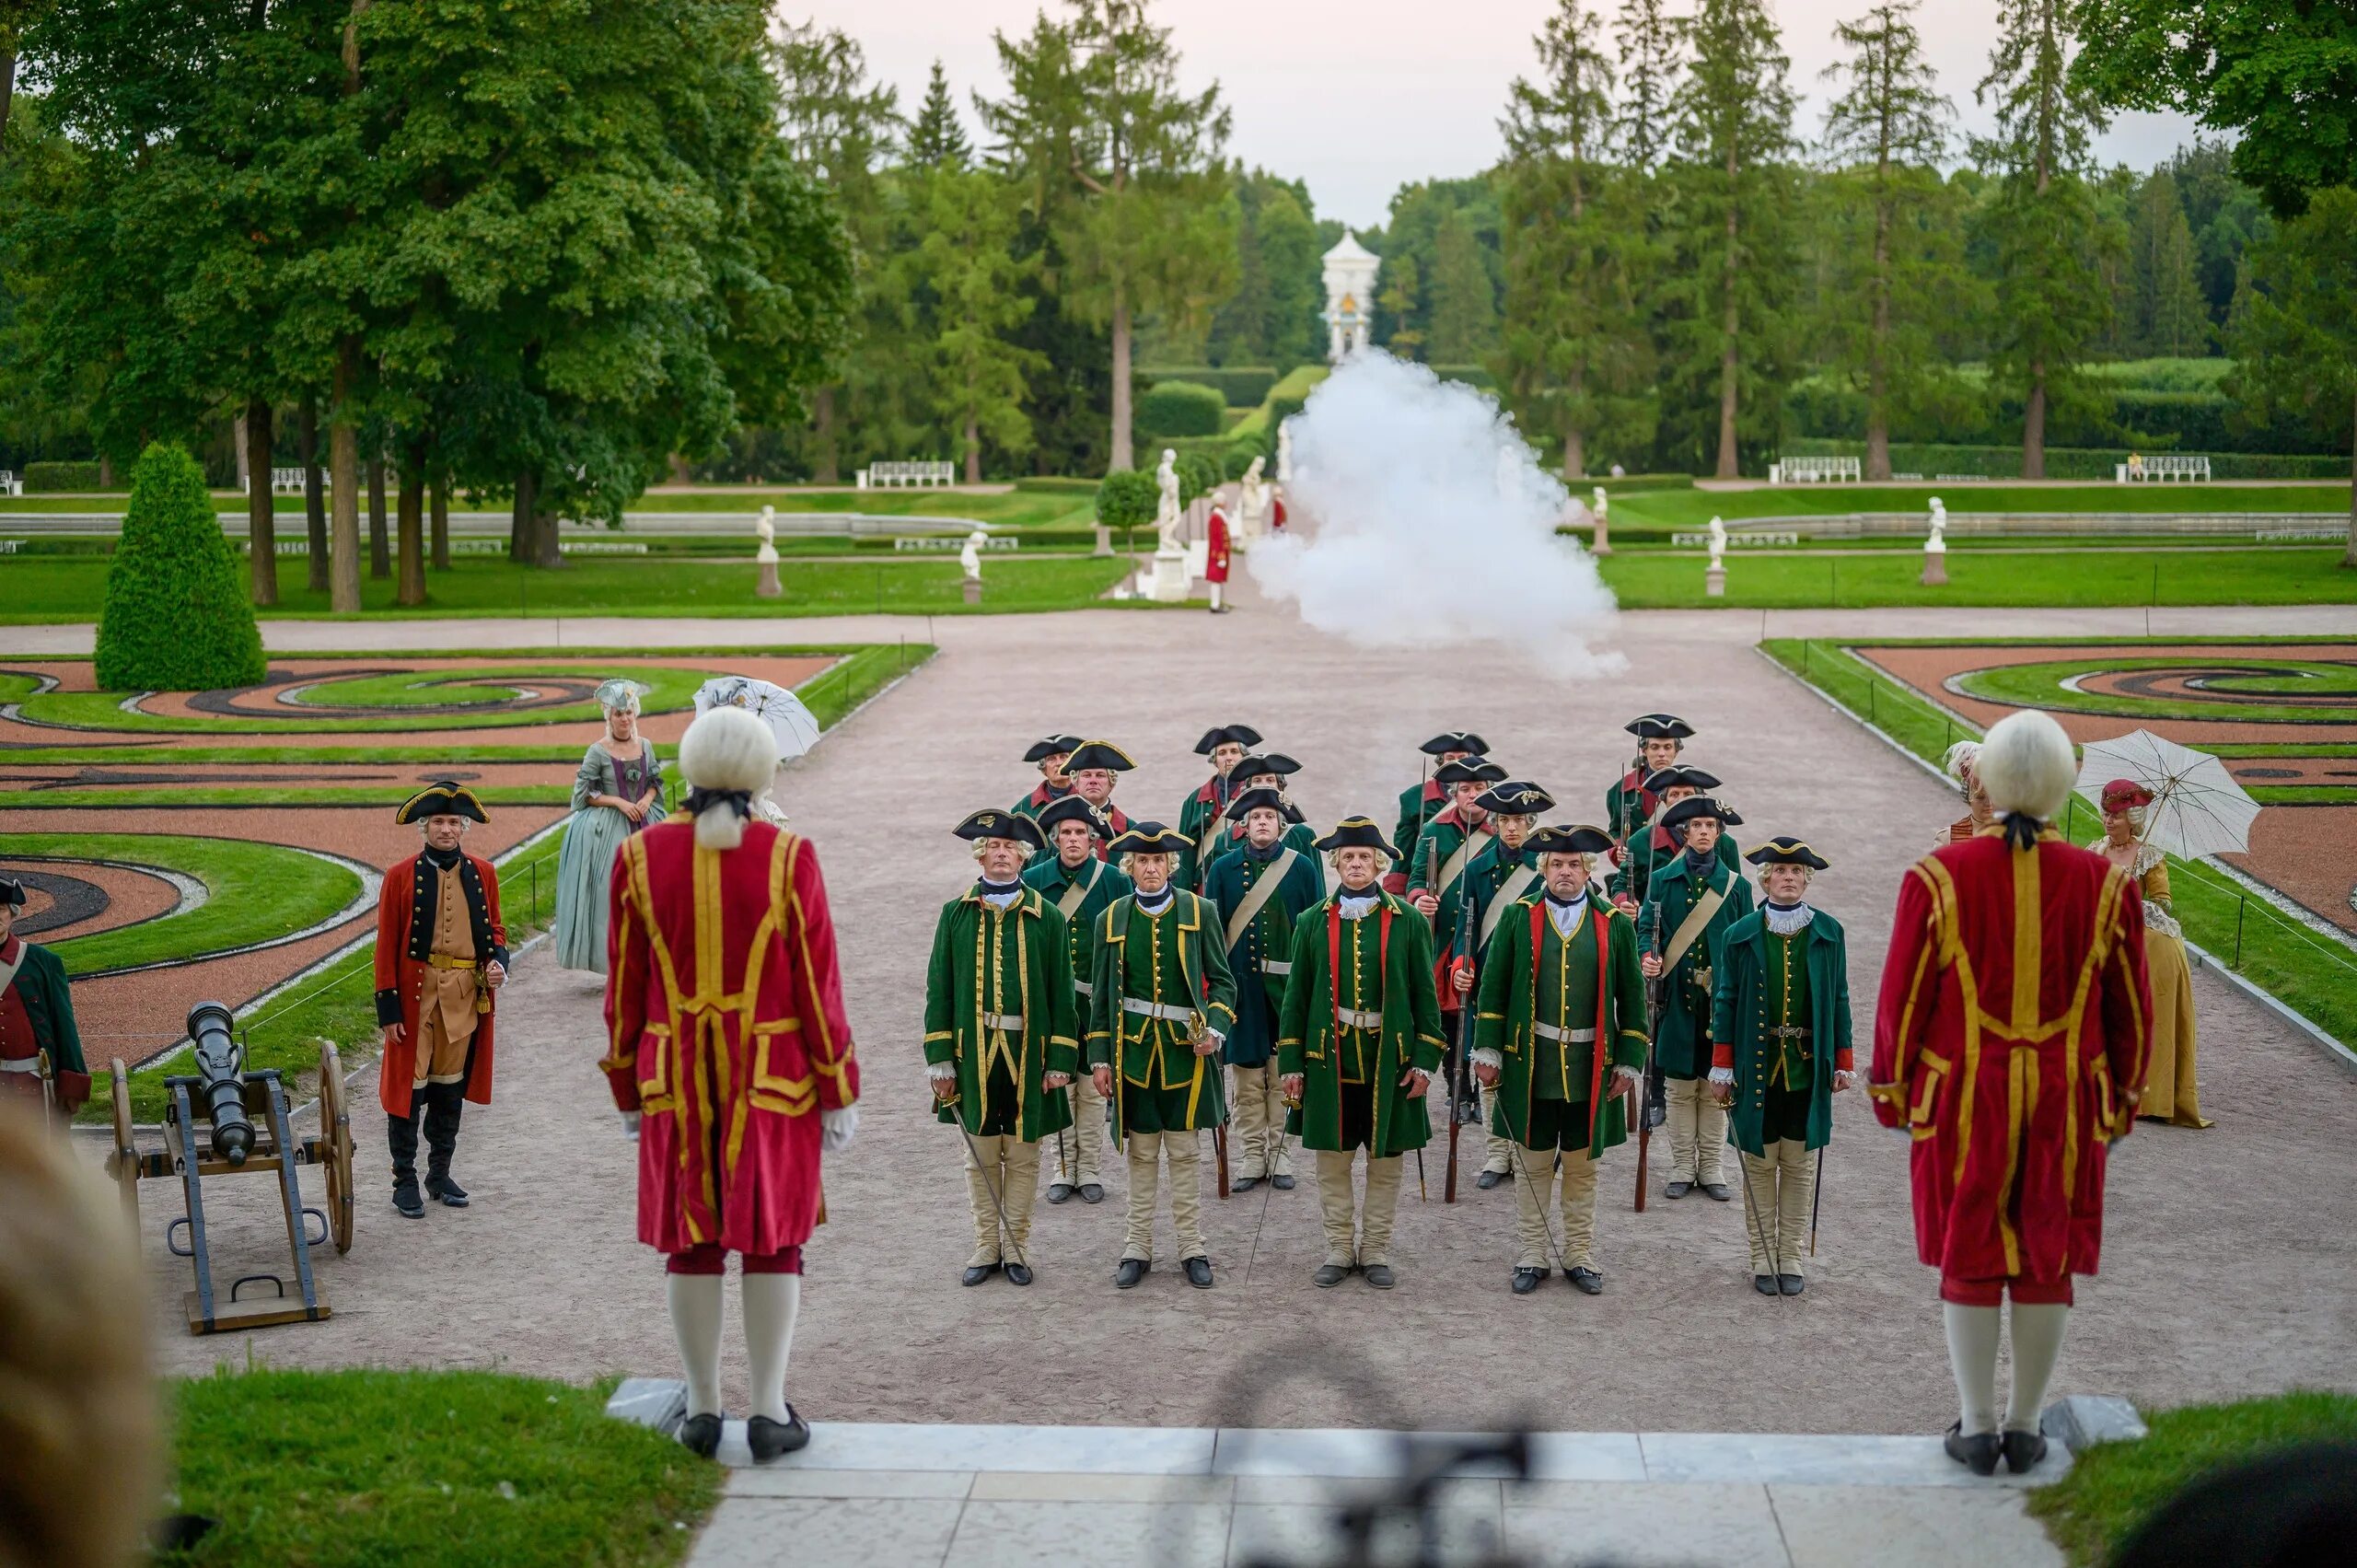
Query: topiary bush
[1127, 499]
[176, 617]
[1182, 408]
[1198, 474]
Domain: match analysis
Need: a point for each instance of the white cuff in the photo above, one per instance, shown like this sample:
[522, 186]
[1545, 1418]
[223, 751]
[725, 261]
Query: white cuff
[630, 1125]
[1489, 1059]
[1723, 1074]
[938, 1070]
[1624, 1070]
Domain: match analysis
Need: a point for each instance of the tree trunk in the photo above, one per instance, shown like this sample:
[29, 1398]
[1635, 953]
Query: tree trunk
[262, 516]
[440, 532]
[106, 470]
[2349, 557]
[546, 551]
[344, 486]
[519, 524]
[315, 499]
[238, 445]
[381, 551]
[680, 473]
[1576, 438]
[411, 588]
[973, 450]
[1729, 325]
[1878, 352]
[7, 85]
[822, 422]
[1124, 456]
[2034, 424]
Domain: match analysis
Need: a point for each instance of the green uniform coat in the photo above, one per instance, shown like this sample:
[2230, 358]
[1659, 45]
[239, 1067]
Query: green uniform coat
[1488, 874]
[1013, 961]
[1641, 855]
[1741, 1016]
[1625, 805]
[1682, 1033]
[1308, 1043]
[40, 985]
[1176, 958]
[1418, 806]
[1056, 884]
[1518, 970]
[1201, 819]
[1443, 837]
[1267, 941]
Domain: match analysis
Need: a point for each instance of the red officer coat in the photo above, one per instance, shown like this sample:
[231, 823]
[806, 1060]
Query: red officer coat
[401, 971]
[1215, 557]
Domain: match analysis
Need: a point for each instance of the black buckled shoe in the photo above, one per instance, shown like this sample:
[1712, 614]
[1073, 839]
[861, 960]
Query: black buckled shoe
[1059, 1191]
[1090, 1192]
[1379, 1276]
[444, 1190]
[1329, 1275]
[977, 1272]
[1489, 1178]
[406, 1198]
[1678, 1190]
[2023, 1450]
[700, 1435]
[768, 1438]
[1132, 1270]
[1018, 1273]
[1199, 1273]
[1244, 1184]
[1978, 1453]
[1527, 1280]
[1765, 1284]
[1587, 1281]
[1717, 1192]
[1283, 1181]
[1790, 1284]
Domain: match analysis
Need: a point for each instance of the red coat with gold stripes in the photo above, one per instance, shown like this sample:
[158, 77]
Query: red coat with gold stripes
[1215, 548]
[725, 1026]
[404, 928]
[2010, 1041]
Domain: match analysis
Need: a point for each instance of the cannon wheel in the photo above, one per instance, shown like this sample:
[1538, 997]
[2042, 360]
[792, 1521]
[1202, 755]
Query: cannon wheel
[335, 1134]
[123, 1164]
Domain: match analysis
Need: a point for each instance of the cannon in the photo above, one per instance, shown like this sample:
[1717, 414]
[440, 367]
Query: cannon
[223, 1120]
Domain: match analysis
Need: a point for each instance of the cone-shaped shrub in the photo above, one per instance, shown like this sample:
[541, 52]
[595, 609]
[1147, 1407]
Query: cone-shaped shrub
[175, 616]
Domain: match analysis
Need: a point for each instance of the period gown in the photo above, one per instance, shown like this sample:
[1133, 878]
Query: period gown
[585, 866]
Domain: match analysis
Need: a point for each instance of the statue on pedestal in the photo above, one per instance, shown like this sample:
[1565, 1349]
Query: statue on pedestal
[765, 526]
[1166, 512]
[1715, 577]
[970, 558]
[1936, 548]
[1251, 505]
[1285, 452]
[1598, 506]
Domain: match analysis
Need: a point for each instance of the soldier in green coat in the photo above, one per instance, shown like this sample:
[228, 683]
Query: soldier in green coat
[1457, 833]
[1780, 1034]
[1655, 846]
[1001, 1036]
[1418, 806]
[1264, 771]
[1081, 886]
[41, 1050]
[1690, 902]
[1630, 803]
[1361, 1039]
[1205, 816]
[1260, 889]
[1467, 922]
[1160, 1004]
[1047, 754]
[1561, 1037]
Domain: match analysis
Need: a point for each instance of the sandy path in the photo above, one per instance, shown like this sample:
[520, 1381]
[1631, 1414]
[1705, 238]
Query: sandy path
[2218, 1280]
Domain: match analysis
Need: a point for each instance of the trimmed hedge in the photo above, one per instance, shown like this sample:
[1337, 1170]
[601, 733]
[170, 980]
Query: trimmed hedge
[1471, 375]
[1055, 485]
[1242, 385]
[176, 616]
[54, 479]
[1181, 408]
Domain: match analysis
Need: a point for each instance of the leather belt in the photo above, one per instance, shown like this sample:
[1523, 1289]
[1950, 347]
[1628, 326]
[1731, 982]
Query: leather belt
[1167, 1013]
[1789, 1031]
[445, 962]
[21, 1063]
[1577, 1037]
[1011, 1022]
[1276, 966]
[1359, 1021]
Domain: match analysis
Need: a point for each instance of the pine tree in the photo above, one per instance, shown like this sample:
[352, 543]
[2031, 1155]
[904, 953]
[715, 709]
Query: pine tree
[1651, 44]
[968, 261]
[1398, 300]
[2171, 316]
[1465, 303]
[175, 617]
[2295, 329]
[937, 139]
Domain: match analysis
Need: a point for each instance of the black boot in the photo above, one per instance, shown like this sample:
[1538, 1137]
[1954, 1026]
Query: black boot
[1977, 1453]
[401, 1133]
[442, 1108]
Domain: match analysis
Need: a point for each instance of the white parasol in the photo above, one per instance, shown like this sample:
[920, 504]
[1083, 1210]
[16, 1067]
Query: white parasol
[2198, 808]
[796, 727]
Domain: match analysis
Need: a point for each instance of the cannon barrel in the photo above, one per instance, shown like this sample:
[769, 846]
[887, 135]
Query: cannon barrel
[220, 1068]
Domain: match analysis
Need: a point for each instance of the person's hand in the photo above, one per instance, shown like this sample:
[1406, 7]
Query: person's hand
[1103, 1078]
[1844, 1079]
[1463, 979]
[836, 1127]
[945, 1089]
[1624, 903]
[495, 974]
[392, 1035]
[1723, 1093]
[1415, 1081]
[1426, 905]
[1485, 1075]
[1625, 1082]
[1054, 1080]
[633, 809]
[1290, 1085]
[1651, 965]
[630, 1125]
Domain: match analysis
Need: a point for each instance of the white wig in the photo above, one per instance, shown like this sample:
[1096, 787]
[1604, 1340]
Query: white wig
[1962, 757]
[2026, 765]
[726, 748]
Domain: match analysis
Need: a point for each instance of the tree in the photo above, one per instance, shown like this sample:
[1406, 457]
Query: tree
[1464, 301]
[937, 138]
[970, 265]
[1651, 45]
[2295, 335]
[2281, 78]
[1272, 315]
[2171, 316]
[1400, 301]
[2043, 216]
[1884, 135]
[175, 617]
[1734, 126]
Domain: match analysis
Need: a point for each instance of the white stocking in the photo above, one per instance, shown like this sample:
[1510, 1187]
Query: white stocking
[695, 1323]
[771, 1304]
[1972, 1357]
[2037, 1340]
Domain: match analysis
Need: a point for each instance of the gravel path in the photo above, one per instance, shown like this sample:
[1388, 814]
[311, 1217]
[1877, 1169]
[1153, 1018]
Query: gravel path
[2227, 1267]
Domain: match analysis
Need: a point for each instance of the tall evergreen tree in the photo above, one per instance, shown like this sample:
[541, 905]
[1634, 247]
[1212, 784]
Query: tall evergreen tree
[1271, 316]
[2043, 216]
[1400, 299]
[2171, 316]
[1464, 301]
[1651, 45]
[937, 138]
[1884, 135]
[2294, 333]
[970, 218]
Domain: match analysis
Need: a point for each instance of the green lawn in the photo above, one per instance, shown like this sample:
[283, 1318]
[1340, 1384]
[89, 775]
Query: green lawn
[2310, 973]
[2040, 684]
[254, 892]
[2113, 1488]
[370, 1468]
[72, 588]
[2259, 576]
[1694, 508]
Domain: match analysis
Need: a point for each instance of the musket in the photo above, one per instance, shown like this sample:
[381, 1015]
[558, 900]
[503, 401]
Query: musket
[1460, 1049]
[1657, 998]
[1219, 1153]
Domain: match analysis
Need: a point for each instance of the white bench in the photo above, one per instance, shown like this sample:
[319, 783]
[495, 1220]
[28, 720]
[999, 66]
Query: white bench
[10, 483]
[1807, 470]
[950, 543]
[2161, 469]
[887, 476]
[290, 481]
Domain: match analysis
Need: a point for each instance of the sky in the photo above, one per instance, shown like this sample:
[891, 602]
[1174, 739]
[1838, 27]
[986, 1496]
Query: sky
[1359, 100]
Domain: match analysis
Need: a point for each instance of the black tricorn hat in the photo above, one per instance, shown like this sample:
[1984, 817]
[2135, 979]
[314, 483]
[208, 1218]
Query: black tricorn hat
[1273, 800]
[11, 891]
[1253, 766]
[1453, 741]
[1787, 851]
[1567, 838]
[1242, 735]
[1475, 769]
[1357, 832]
[444, 797]
[1049, 745]
[1660, 726]
[1098, 754]
[1150, 838]
[996, 824]
[1695, 805]
[1517, 798]
[1683, 773]
[1074, 808]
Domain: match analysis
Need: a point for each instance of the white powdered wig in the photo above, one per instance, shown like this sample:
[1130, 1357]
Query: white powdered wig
[2026, 765]
[726, 748]
[1960, 760]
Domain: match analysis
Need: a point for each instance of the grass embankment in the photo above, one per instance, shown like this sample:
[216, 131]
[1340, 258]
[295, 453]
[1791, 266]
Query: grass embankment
[2309, 972]
[254, 892]
[39, 589]
[2113, 1489]
[2028, 578]
[1695, 508]
[342, 1470]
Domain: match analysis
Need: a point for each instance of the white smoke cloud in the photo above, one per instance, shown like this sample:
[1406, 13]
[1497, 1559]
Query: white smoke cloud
[1422, 518]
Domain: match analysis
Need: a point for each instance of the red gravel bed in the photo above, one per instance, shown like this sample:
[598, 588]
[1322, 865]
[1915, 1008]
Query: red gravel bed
[132, 896]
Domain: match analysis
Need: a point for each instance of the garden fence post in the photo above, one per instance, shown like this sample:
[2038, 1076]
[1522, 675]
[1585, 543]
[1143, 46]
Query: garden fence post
[2241, 905]
[1869, 701]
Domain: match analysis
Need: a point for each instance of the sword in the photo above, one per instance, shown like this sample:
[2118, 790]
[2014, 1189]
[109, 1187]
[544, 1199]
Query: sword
[1751, 1208]
[1522, 1175]
[1815, 1197]
[974, 1152]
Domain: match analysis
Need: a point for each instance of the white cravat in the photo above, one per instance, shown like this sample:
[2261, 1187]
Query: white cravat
[999, 901]
[1786, 922]
[1567, 917]
[1358, 906]
[1155, 905]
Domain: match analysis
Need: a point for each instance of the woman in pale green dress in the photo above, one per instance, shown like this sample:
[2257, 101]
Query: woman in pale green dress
[618, 791]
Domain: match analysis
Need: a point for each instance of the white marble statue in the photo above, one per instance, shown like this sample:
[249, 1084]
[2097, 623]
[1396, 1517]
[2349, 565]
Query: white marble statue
[970, 558]
[1718, 545]
[1252, 502]
[1167, 513]
[1598, 502]
[1285, 452]
[765, 526]
[1937, 544]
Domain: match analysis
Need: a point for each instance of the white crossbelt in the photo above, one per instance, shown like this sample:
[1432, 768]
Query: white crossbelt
[1360, 1020]
[20, 1064]
[1577, 1037]
[1276, 966]
[1011, 1022]
[1145, 1009]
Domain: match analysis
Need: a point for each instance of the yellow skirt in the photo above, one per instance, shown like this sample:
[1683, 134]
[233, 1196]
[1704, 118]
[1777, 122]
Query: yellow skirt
[2172, 1093]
